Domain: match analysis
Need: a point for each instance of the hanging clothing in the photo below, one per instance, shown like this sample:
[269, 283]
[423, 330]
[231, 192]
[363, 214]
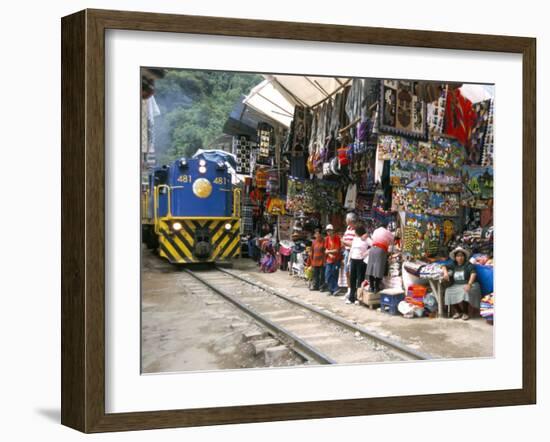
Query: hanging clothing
[356, 101]
[351, 197]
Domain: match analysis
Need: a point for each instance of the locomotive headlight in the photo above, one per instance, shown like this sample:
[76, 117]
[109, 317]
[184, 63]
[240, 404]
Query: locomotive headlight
[228, 226]
[202, 188]
[176, 226]
[202, 169]
[202, 163]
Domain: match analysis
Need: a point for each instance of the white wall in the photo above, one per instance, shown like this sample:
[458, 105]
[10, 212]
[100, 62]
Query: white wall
[30, 241]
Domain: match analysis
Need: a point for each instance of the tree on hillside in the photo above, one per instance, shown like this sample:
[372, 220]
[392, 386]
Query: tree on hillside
[194, 107]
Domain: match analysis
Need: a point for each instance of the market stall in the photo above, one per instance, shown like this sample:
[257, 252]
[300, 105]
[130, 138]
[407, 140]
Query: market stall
[415, 157]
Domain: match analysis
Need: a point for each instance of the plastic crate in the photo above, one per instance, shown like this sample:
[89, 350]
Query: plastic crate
[389, 303]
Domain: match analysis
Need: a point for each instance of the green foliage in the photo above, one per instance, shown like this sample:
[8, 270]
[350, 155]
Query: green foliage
[194, 106]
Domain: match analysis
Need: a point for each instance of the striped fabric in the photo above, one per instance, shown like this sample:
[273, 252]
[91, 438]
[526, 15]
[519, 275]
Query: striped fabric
[348, 236]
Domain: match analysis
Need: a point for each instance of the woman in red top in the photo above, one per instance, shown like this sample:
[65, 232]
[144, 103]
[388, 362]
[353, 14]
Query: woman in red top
[318, 260]
[333, 257]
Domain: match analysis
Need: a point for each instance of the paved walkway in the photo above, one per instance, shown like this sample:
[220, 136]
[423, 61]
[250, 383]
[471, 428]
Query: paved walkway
[439, 337]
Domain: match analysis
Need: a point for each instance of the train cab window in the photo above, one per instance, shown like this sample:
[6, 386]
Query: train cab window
[161, 176]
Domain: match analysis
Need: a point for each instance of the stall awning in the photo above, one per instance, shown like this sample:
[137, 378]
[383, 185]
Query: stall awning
[477, 92]
[277, 95]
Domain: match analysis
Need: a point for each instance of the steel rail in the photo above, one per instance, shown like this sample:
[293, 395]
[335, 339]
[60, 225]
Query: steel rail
[341, 321]
[287, 337]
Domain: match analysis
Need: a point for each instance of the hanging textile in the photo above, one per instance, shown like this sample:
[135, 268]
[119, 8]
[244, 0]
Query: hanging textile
[389, 147]
[422, 235]
[406, 173]
[261, 178]
[436, 113]
[447, 152]
[295, 195]
[299, 129]
[408, 149]
[247, 221]
[367, 169]
[356, 100]
[425, 153]
[413, 200]
[444, 180]
[335, 117]
[266, 143]
[487, 155]
[242, 149]
[479, 130]
[444, 204]
[459, 116]
[402, 112]
[272, 186]
[351, 197]
[478, 187]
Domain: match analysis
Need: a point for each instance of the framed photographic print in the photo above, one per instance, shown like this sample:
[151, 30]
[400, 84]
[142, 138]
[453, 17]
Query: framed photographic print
[267, 221]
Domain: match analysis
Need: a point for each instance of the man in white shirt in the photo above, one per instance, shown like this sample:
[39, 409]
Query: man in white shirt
[347, 239]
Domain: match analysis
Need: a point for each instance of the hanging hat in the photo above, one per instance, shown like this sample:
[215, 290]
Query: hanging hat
[459, 249]
[329, 227]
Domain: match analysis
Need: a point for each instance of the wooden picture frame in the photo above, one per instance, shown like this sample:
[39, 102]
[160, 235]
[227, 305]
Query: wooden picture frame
[83, 220]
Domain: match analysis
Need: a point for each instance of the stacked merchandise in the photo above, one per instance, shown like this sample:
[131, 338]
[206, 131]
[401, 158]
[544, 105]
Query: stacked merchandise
[394, 279]
[479, 240]
[431, 271]
[242, 149]
[487, 307]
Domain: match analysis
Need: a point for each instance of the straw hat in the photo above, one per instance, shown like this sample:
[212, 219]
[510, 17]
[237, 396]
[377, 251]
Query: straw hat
[460, 249]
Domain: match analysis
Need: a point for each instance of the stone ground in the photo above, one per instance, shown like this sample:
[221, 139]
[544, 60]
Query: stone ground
[440, 337]
[185, 328]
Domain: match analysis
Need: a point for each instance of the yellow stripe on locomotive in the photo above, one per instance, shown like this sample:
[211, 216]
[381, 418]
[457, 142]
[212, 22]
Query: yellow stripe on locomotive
[190, 240]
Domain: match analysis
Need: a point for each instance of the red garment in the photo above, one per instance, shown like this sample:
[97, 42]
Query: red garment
[381, 245]
[333, 243]
[318, 253]
[256, 198]
[460, 116]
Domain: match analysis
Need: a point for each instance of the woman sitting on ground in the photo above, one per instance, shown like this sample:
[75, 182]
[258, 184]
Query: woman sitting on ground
[464, 290]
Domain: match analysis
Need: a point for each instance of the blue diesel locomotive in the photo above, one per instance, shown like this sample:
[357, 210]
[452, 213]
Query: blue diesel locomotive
[191, 212]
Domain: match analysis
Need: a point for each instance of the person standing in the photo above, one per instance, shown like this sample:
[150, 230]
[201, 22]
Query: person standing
[347, 239]
[318, 260]
[378, 257]
[358, 252]
[333, 258]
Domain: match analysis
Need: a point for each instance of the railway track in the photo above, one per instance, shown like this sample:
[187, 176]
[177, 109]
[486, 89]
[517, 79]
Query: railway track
[318, 336]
